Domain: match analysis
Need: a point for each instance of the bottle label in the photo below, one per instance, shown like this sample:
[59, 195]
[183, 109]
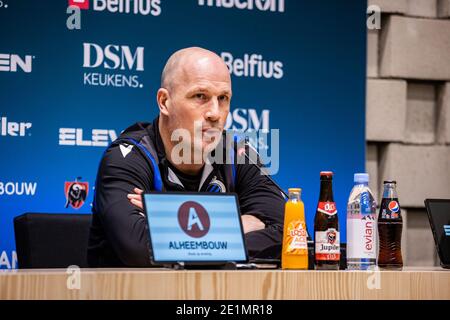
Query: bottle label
[328, 208]
[327, 245]
[296, 243]
[366, 207]
[361, 236]
[391, 210]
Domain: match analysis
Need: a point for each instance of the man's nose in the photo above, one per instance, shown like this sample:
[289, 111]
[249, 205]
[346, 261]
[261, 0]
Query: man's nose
[213, 113]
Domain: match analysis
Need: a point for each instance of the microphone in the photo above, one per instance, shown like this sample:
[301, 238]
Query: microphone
[242, 151]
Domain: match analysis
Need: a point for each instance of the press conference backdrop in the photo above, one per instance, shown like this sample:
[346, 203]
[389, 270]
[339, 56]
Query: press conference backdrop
[68, 90]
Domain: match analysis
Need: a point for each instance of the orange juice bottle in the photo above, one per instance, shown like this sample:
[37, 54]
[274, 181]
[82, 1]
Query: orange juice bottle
[295, 247]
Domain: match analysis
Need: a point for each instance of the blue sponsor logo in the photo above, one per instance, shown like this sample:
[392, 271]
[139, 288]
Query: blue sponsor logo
[365, 203]
[447, 229]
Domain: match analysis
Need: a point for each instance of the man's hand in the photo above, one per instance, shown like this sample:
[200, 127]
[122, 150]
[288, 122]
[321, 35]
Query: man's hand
[250, 223]
[136, 198]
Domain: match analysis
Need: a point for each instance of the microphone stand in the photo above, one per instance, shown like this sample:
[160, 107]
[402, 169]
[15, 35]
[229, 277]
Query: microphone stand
[243, 151]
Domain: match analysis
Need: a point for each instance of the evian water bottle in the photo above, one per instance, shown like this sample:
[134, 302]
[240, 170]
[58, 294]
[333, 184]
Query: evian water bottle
[361, 225]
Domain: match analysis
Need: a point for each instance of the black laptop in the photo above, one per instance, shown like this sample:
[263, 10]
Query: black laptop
[439, 215]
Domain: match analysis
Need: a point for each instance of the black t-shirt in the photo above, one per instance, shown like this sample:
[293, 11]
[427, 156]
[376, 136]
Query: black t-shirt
[189, 181]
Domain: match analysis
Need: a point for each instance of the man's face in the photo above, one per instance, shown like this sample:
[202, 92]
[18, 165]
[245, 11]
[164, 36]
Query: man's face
[200, 102]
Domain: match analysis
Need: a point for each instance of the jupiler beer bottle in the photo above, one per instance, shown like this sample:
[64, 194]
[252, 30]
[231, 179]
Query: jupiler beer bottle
[326, 227]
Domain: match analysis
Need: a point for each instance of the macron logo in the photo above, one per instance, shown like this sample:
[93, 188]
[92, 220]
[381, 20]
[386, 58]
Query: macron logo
[125, 149]
[262, 5]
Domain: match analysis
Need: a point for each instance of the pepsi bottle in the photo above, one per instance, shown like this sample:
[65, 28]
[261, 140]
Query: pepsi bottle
[390, 224]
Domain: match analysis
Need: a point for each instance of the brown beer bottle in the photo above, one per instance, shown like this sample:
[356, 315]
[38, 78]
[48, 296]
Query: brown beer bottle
[326, 227]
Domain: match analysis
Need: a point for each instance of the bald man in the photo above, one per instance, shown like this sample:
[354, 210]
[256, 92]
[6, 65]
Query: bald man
[194, 102]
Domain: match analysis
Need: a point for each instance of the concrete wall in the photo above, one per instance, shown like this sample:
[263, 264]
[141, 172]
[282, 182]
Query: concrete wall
[408, 112]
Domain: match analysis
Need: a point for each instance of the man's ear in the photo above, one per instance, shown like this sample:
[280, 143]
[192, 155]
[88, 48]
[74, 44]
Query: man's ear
[162, 97]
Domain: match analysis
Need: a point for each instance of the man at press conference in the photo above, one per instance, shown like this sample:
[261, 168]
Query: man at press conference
[195, 89]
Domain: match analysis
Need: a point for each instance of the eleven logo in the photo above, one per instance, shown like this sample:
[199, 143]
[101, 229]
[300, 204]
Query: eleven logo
[76, 193]
[75, 137]
[447, 229]
[13, 62]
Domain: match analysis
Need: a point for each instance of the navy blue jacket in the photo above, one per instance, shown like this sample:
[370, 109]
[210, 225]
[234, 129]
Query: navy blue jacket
[119, 231]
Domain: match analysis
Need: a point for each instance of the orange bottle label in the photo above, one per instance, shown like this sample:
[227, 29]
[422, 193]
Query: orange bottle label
[296, 243]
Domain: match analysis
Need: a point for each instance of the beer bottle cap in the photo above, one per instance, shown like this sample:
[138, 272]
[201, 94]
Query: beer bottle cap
[361, 178]
[295, 190]
[326, 173]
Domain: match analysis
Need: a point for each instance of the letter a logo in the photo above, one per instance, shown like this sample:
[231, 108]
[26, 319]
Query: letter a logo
[193, 219]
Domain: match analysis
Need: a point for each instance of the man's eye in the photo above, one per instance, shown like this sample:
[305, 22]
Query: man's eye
[200, 96]
[223, 98]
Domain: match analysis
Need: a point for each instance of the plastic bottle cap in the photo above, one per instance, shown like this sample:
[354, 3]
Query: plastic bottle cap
[294, 190]
[361, 177]
[389, 181]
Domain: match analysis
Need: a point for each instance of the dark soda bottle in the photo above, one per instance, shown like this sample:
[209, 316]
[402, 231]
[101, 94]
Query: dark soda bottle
[390, 225]
[326, 227]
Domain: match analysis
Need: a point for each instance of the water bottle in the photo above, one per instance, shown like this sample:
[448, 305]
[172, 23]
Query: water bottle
[361, 225]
